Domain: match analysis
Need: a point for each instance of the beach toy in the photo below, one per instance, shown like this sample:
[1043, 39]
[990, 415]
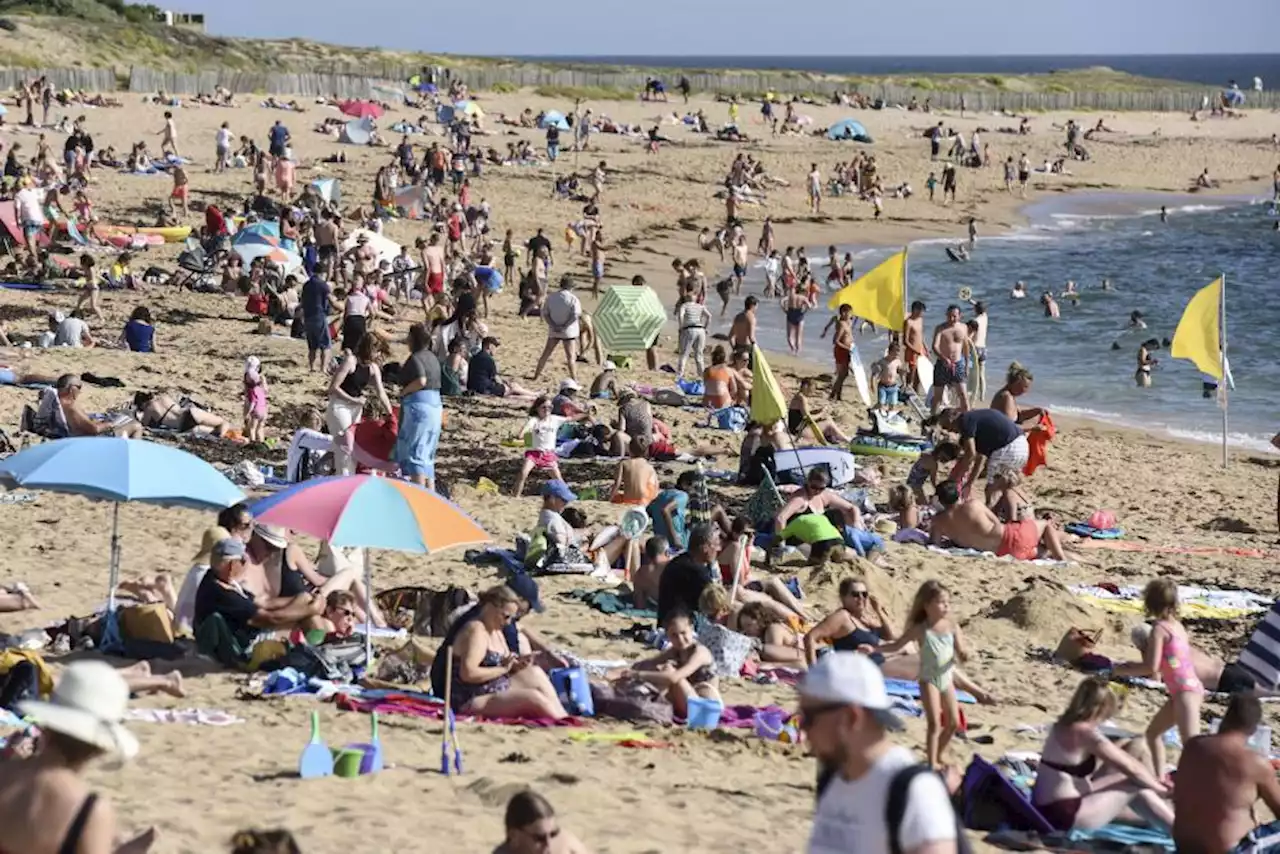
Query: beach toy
[315, 637]
[450, 730]
[634, 522]
[370, 753]
[574, 690]
[704, 713]
[316, 760]
[484, 486]
[966, 293]
[346, 762]
[776, 725]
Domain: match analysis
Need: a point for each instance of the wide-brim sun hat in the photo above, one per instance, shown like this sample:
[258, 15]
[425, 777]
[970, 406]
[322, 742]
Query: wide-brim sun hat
[88, 705]
[210, 538]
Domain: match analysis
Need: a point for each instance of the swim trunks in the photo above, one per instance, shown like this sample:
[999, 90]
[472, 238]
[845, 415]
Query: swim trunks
[842, 356]
[1021, 540]
[739, 270]
[950, 373]
[435, 282]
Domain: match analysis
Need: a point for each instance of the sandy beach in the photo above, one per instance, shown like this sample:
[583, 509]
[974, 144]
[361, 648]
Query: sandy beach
[727, 791]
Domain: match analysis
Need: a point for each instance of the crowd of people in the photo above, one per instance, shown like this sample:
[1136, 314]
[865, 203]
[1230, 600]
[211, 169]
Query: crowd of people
[385, 380]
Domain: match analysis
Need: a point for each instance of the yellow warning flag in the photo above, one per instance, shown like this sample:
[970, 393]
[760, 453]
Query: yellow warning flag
[1196, 338]
[768, 405]
[878, 295]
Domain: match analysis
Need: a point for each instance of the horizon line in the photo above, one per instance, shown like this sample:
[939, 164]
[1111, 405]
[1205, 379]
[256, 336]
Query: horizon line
[623, 56]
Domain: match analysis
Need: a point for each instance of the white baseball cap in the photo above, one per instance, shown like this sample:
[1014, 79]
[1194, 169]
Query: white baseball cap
[569, 385]
[608, 365]
[850, 679]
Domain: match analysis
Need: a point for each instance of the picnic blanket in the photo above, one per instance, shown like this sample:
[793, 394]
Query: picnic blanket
[424, 706]
[610, 602]
[1195, 601]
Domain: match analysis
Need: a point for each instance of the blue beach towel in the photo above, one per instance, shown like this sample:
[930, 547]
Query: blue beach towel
[1080, 529]
[1124, 834]
[911, 690]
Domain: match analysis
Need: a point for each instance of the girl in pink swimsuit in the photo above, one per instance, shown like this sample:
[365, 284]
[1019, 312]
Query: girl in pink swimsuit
[1168, 656]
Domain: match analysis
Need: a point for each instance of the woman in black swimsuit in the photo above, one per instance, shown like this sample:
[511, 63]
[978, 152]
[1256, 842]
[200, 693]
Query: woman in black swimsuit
[45, 804]
[298, 576]
[859, 624]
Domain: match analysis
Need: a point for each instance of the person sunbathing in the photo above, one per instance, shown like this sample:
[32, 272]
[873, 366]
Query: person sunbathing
[780, 643]
[1085, 780]
[17, 597]
[160, 410]
[489, 678]
[735, 554]
[289, 572]
[682, 671]
[1216, 674]
[972, 525]
[78, 421]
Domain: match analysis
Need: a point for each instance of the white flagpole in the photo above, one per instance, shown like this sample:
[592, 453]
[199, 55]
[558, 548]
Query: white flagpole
[1222, 348]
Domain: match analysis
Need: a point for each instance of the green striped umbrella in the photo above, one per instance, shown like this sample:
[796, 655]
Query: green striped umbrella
[629, 319]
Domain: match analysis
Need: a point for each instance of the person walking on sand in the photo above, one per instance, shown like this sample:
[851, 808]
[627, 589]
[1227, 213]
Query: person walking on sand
[815, 189]
[795, 305]
[181, 191]
[692, 318]
[597, 261]
[846, 715]
[950, 370]
[841, 347]
[169, 136]
[1024, 174]
[562, 313]
[948, 183]
[222, 144]
[765, 247]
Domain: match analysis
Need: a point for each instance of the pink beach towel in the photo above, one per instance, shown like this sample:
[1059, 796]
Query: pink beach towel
[407, 704]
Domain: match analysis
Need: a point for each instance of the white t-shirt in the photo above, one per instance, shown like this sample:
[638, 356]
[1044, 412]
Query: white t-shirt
[851, 817]
[558, 530]
[562, 311]
[543, 432]
[71, 333]
[28, 203]
[224, 138]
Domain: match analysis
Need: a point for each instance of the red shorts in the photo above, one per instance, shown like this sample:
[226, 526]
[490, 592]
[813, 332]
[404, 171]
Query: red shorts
[543, 459]
[435, 282]
[1021, 540]
[842, 356]
[180, 192]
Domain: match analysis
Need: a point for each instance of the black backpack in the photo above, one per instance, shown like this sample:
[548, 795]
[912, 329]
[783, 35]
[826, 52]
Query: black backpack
[896, 808]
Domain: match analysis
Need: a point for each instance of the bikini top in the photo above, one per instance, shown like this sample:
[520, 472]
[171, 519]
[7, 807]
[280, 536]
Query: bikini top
[1079, 769]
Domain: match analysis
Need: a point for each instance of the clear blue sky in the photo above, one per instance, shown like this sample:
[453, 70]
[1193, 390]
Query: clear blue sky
[732, 27]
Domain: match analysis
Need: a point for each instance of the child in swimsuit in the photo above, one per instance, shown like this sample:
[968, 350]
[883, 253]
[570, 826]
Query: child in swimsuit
[683, 670]
[941, 645]
[1168, 655]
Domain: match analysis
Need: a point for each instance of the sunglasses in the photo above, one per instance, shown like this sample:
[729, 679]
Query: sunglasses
[858, 594]
[809, 717]
[510, 618]
[542, 838]
[347, 612]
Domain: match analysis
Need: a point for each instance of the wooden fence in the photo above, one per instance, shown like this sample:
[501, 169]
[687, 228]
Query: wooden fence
[619, 81]
[88, 79]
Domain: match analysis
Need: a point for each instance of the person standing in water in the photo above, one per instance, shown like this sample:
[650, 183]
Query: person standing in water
[979, 366]
[796, 304]
[913, 341]
[841, 348]
[950, 369]
[1142, 376]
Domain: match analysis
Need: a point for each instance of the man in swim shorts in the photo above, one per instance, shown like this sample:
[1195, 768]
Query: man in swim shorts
[913, 341]
[950, 370]
[841, 348]
[972, 525]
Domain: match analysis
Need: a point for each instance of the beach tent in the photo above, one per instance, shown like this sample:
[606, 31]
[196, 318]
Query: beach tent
[445, 114]
[848, 129]
[358, 132]
[412, 200]
[469, 108]
[629, 319]
[553, 119]
[329, 189]
[389, 93]
[387, 249]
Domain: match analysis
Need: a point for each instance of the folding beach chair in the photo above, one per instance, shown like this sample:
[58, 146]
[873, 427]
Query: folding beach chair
[1261, 655]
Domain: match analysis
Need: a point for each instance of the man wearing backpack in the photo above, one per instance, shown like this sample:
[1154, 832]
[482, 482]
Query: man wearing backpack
[874, 798]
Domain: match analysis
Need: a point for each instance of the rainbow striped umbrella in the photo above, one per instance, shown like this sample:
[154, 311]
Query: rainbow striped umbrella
[371, 513]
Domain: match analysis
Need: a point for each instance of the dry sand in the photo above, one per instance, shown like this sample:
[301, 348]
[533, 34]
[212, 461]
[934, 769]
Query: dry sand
[725, 792]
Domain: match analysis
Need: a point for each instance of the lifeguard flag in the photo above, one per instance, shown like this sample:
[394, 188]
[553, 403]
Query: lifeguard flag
[878, 295]
[1196, 338]
[768, 405]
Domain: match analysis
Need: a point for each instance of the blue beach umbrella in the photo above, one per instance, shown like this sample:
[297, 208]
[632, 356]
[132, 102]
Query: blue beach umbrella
[119, 470]
[264, 229]
[550, 118]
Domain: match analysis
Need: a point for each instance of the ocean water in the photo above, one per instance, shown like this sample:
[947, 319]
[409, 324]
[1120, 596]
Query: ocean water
[1154, 268]
[1210, 69]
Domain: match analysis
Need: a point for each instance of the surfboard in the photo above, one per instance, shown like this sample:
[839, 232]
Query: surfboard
[839, 462]
[860, 378]
[924, 372]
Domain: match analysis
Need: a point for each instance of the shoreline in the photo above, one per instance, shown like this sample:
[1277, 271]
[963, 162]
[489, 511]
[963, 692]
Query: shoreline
[1068, 203]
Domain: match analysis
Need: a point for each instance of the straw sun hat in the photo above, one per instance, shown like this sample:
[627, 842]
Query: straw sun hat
[88, 705]
[211, 537]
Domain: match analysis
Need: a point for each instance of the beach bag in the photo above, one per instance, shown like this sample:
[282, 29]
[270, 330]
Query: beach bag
[1077, 643]
[732, 418]
[729, 649]
[334, 662]
[146, 623]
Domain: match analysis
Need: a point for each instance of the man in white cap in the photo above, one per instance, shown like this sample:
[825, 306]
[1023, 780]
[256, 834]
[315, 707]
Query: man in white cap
[846, 714]
[45, 804]
[565, 403]
[606, 382]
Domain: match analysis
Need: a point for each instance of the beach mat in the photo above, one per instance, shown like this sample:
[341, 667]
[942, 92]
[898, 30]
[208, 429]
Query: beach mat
[1081, 529]
[956, 551]
[1194, 601]
[417, 705]
[911, 690]
[610, 602]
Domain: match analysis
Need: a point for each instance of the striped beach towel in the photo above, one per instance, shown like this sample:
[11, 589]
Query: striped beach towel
[1261, 655]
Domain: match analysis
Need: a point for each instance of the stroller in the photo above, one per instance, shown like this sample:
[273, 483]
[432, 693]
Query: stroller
[196, 268]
